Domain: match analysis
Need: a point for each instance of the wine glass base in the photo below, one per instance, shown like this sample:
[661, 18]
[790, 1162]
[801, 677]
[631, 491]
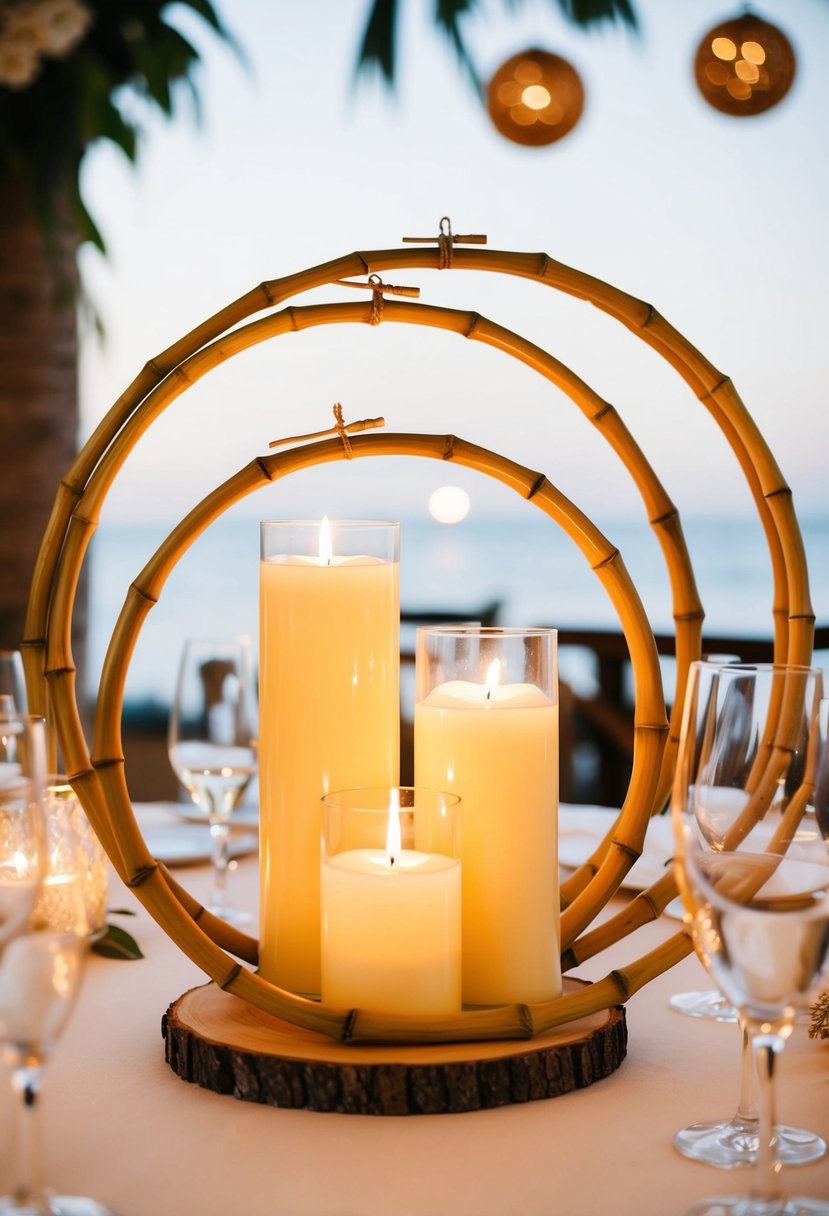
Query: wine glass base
[55, 1205]
[743, 1205]
[730, 1144]
[709, 1004]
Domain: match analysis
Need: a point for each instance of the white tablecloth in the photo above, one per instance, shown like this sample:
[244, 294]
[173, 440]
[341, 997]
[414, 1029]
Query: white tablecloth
[121, 1126]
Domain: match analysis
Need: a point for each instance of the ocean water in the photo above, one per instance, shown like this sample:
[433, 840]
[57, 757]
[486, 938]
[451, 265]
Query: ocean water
[535, 572]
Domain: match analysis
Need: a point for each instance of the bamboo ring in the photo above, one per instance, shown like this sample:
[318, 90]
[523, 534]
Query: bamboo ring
[140, 871]
[47, 645]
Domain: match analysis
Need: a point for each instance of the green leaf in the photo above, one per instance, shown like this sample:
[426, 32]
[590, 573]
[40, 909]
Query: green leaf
[377, 50]
[447, 19]
[591, 12]
[116, 943]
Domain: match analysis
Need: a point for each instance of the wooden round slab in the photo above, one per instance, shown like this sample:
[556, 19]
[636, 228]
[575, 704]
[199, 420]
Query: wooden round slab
[223, 1044]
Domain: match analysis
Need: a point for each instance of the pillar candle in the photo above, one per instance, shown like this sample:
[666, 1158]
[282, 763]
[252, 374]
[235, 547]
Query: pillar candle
[497, 748]
[391, 931]
[329, 718]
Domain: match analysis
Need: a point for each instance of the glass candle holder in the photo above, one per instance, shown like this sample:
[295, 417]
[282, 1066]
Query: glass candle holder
[329, 712]
[74, 852]
[391, 901]
[486, 728]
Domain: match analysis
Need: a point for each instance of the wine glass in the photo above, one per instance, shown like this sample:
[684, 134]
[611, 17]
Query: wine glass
[12, 681]
[212, 743]
[732, 701]
[750, 807]
[22, 784]
[43, 942]
[709, 1002]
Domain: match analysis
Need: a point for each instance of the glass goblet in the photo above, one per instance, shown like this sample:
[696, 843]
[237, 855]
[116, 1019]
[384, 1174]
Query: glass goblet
[709, 1002]
[212, 741]
[732, 1142]
[42, 946]
[753, 867]
[12, 682]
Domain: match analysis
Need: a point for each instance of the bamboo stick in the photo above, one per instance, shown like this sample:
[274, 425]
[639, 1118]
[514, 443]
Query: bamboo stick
[646, 907]
[615, 988]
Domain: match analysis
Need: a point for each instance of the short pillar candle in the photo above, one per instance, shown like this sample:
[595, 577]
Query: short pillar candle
[391, 901]
[486, 728]
[329, 678]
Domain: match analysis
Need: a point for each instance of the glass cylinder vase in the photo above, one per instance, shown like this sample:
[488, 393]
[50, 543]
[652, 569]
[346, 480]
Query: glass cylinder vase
[391, 901]
[486, 728]
[329, 712]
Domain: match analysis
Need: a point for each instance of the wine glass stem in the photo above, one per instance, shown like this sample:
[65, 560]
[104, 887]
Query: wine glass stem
[28, 1190]
[747, 1106]
[219, 835]
[766, 1188]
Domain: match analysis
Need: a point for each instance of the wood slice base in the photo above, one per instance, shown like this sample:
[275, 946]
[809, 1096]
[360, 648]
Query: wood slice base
[221, 1043]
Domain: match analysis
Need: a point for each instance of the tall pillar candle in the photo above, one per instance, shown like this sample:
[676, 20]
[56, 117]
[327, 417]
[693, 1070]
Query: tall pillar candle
[486, 728]
[329, 715]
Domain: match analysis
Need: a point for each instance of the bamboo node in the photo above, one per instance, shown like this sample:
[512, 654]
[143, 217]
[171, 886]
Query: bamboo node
[340, 428]
[231, 977]
[446, 241]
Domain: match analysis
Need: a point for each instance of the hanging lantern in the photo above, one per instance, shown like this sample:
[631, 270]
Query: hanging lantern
[535, 98]
[744, 66]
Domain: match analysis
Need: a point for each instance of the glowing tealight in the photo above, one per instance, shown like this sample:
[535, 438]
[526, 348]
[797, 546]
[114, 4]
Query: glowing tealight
[326, 548]
[724, 48]
[493, 678]
[536, 96]
[449, 504]
[393, 835]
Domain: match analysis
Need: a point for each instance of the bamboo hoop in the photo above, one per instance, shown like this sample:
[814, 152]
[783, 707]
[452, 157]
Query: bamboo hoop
[110, 806]
[771, 495]
[662, 514]
[47, 648]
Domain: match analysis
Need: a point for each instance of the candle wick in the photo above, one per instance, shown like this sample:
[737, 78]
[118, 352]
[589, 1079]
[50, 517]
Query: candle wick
[391, 860]
[488, 693]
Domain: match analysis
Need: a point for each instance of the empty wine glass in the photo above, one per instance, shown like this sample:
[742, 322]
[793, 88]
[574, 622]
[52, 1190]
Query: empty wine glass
[12, 681]
[710, 1003]
[212, 744]
[731, 1142]
[750, 810]
[22, 784]
[44, 944]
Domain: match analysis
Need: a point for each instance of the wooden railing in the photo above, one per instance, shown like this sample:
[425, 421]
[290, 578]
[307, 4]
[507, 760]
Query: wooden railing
[597, 730]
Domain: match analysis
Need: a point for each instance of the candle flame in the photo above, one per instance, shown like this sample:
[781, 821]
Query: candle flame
[493, 677]
[393, 838]
[326, 549]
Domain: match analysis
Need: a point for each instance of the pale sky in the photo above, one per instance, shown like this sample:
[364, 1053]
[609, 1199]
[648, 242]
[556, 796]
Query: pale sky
[720, 223]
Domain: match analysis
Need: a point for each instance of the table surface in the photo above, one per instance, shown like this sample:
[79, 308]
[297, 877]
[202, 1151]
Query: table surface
[121, 1126]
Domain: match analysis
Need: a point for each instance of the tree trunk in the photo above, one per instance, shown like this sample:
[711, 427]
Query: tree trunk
[38, 394]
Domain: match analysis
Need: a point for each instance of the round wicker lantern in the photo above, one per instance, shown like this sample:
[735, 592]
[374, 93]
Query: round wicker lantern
[535, 98]
[97, 771]
[744, 66]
